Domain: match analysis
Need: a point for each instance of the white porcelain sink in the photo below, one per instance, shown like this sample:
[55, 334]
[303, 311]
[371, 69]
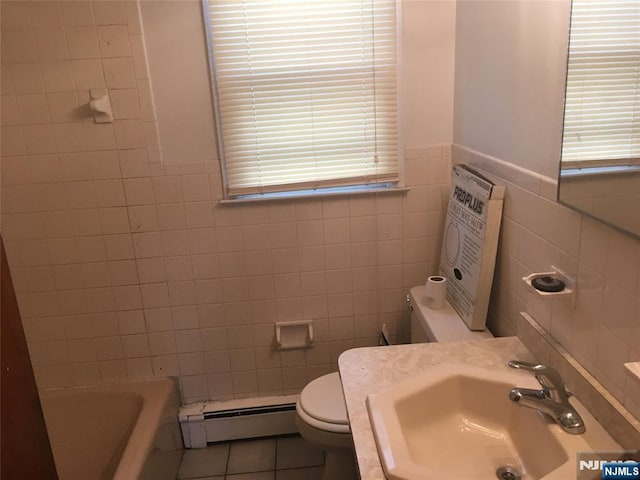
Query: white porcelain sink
[457, 422]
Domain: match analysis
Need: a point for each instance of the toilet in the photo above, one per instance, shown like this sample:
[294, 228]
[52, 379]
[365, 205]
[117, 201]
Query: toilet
[321, 413]
[321, 418]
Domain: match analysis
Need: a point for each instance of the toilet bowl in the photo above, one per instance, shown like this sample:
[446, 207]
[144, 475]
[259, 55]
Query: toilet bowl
[321, 413]
[321, 418]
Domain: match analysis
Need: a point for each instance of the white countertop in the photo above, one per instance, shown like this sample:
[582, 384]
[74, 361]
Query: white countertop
[372, 369]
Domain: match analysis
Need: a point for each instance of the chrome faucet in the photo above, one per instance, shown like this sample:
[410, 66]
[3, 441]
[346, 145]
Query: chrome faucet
[552, 400]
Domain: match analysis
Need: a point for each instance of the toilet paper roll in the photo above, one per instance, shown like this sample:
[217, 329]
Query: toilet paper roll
[436, 292]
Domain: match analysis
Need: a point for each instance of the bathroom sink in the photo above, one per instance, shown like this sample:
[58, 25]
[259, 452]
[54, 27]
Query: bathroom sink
[457, 422]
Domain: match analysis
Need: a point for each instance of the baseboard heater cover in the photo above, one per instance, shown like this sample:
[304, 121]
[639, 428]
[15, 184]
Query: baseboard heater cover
[209, 422]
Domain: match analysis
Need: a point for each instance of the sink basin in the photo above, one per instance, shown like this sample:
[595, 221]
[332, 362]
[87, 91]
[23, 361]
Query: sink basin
[456, 421]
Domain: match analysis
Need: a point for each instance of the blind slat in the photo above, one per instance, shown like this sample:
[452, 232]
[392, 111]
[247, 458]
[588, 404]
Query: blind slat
[305, 92]
[602, 101]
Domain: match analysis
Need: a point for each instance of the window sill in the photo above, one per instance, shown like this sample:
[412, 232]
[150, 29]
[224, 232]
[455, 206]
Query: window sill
[277, 197]
[599, 171]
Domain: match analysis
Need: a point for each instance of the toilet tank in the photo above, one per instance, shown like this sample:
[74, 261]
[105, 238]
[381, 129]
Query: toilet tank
[438, 325]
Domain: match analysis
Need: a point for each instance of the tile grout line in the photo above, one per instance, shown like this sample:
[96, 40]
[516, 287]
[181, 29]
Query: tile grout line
[226, 466]
[275, 460]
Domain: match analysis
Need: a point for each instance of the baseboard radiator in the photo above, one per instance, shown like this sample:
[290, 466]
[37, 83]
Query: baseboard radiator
[208, 422]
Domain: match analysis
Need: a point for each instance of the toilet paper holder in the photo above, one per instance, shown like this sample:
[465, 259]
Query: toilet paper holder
[294, 335]
[100, 105]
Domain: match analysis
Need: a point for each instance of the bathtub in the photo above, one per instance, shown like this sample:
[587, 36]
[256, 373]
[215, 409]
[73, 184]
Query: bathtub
[120, 432]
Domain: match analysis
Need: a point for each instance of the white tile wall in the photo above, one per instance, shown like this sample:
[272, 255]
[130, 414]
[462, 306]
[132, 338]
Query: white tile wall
[614, 199]
[128, 269]
[602, 330]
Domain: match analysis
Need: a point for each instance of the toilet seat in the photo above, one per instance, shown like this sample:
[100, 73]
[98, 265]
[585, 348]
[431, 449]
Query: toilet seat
[321, 404]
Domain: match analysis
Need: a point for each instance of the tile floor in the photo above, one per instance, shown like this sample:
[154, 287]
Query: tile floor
[275, 458]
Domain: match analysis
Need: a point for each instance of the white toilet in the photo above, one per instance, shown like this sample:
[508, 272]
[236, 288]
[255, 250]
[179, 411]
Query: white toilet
[321, 414]
[321, 418]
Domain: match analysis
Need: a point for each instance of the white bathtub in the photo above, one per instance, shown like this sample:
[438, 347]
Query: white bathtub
[120, 432]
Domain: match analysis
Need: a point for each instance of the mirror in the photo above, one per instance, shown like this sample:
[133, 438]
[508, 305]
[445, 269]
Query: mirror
[600, 163]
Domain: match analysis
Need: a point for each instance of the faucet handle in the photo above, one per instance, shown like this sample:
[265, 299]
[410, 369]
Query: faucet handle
[548, 377]
[531, 367]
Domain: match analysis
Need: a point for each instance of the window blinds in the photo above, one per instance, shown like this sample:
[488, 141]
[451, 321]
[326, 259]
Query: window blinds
[602, 105]
[305, 92]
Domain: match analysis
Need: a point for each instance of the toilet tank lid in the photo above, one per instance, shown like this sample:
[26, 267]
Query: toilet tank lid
[442, 325]
[323, 399]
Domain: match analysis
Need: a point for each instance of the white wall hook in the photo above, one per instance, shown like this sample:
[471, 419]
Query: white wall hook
[100, 105]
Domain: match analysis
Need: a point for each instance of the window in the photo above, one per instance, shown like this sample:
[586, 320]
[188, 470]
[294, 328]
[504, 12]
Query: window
[602, 105]
[305, 93]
